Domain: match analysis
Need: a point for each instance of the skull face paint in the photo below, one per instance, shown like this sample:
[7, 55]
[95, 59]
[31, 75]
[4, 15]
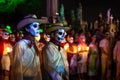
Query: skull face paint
[5, 35]
[34, 29]
[60, 35]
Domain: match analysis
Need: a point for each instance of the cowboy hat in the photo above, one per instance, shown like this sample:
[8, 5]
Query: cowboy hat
[57, 26]
[27, 20]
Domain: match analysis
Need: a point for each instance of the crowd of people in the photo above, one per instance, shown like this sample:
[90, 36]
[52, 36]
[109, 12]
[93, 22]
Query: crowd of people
[60, 53]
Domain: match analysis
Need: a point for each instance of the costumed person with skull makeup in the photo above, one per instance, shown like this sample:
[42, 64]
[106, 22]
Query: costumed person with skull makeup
[54, 56]
[26, 62]
[5, 55]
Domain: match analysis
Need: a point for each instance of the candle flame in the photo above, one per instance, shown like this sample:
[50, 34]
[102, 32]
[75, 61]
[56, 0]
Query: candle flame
[87, 48]
[66, 46]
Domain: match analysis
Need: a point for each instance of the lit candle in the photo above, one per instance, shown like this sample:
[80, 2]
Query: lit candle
[9, 49]
[87, 48]
[75, 49]
[66, 46]
[79, 48]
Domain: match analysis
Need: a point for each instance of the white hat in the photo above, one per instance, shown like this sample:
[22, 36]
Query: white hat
[56, 27]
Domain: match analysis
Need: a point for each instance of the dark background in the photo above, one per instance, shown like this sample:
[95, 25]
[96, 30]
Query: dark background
[91, 10]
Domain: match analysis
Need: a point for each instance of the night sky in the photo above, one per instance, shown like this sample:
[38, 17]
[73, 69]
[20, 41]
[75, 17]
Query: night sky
[91, 9]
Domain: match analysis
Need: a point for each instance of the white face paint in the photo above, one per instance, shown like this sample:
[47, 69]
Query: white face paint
[5, 35]
[34, 29]
[60, 35]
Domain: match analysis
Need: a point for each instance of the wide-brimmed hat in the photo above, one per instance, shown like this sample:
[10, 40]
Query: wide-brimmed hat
[57, 26]
[27, 20]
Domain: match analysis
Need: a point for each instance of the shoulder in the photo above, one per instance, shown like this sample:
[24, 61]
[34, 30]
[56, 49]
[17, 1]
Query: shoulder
[21, 43]
[118, 42]
[49, 45]
[103, 41]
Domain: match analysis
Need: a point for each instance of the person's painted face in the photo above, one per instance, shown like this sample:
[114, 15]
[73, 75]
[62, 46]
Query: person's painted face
[5, 35]
[60, 35]
[34, 29]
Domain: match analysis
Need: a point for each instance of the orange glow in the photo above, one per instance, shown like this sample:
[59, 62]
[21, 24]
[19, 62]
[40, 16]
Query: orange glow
[66, 46]
[83, 48]
[71, 49]
[87, 48]
[79, 48]
[75, 50]
[7, 49]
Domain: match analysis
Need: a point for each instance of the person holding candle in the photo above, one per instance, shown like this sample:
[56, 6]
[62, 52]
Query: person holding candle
[72, 56]
[83, 53]
[6, 49]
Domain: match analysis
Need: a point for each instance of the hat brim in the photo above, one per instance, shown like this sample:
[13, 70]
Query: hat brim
[54, 28]
[27, 21]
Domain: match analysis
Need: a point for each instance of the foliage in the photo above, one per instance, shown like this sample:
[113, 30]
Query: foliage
[9, 6]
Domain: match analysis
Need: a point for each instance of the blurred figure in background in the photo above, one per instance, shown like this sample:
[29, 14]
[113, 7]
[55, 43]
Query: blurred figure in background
[93, 59]
[19, 36]
[83, 53]
[72, 54]
[6, 49]
[106, 56]
[116, 57]
[12, 39]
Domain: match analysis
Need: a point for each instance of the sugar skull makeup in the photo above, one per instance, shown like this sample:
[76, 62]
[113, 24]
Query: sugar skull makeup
[34, 29]
[60, 35]
[5, 35]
